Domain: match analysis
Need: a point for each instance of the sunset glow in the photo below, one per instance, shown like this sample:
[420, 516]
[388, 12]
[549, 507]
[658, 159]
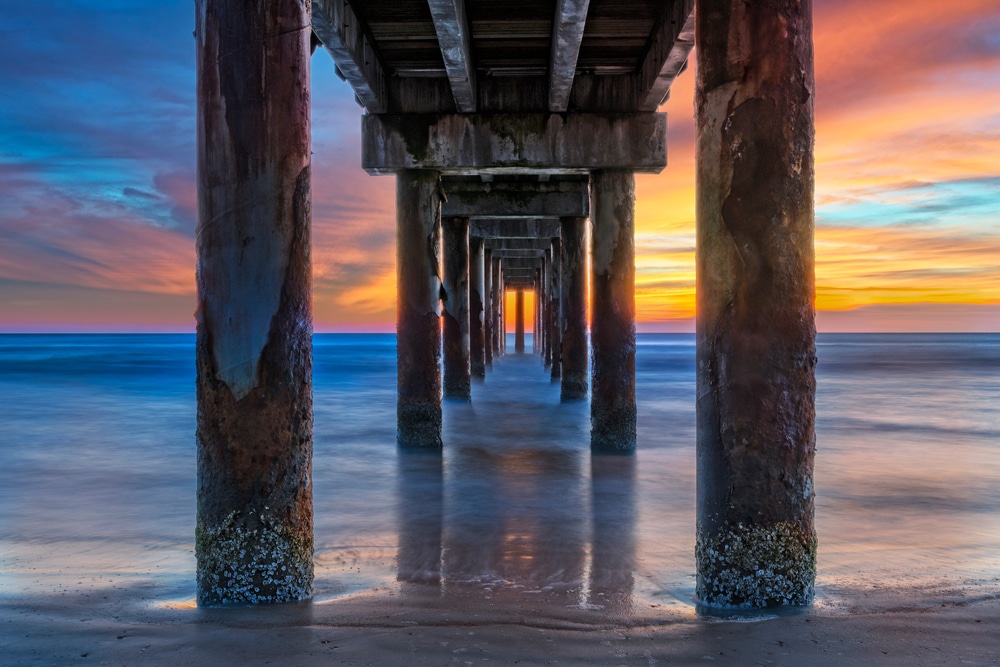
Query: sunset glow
[99, 201]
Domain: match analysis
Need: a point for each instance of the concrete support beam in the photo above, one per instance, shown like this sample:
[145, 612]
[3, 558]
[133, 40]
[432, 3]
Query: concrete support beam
[454, 33]
[573, 299]
[502, 244]
[555, 323]
[254, 529]
[516, 200]
[529, 228]
[456, 311]
[527, 265]
[612, 333]
[567, 35]
[418, 300]
[343, 35]
[514, 143]
[477, 289]
[668, 56]
[519, 320]
[756, 354]
[533, 255]
[488, 330]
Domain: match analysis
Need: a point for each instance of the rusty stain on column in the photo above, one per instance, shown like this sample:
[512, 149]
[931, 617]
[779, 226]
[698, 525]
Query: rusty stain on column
[455, 299]
[488, 330]
[555, 330]
[519, 320]
[573, 300]
[418, 299]
[477, 284]
[254, 529]
[612, 334]
[755, 330]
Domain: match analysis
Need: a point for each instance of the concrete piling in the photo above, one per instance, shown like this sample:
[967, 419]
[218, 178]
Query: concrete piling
[555, 324]
[488, 330]
[455, 312]
[477, 291]
[418, 298]
[573, 302]
[519, 320]
[756, 352]
[254, 529]
[612, 336]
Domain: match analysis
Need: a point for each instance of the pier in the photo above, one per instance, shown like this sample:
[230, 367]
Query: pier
[513, 131]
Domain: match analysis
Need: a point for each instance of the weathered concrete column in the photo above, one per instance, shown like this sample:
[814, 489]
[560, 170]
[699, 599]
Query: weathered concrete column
[519, 320]
[457, 369]
[755, 329]
[498, 326]
[555, 330]
[503, 312]
[538, 338]
[612, 329]
[546, 290]
[573, 301]
[418, 300]
[488, 307]
[477, 289]
[254, 530]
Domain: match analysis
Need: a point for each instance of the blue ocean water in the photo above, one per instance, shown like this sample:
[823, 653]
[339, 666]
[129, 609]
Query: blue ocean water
[97, 453]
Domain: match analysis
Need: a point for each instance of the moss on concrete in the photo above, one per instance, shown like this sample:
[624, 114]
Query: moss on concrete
[757, 567]
[252, 559]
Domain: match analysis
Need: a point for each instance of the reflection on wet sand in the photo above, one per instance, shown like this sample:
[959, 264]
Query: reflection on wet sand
[511, 527]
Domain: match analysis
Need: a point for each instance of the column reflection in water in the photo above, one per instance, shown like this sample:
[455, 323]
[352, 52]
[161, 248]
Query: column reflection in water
[516, 524]
[613, 517]
[419, 516]
[512, 526]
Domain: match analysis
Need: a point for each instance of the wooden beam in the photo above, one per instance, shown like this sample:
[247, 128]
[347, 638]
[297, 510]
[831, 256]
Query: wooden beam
[667, 55]
[343, 35]
[567, 34]
[454, 36]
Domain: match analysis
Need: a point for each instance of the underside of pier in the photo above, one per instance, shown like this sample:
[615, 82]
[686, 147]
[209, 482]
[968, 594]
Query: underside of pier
[514, 131]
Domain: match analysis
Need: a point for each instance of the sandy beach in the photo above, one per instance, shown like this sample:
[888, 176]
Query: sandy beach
[115, 627]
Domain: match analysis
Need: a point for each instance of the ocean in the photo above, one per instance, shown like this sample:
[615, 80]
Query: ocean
[97, 457]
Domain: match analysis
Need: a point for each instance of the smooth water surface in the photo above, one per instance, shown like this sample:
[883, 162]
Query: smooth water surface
[98, 460]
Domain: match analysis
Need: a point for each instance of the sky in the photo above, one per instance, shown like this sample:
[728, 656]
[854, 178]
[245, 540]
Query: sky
[98, 197]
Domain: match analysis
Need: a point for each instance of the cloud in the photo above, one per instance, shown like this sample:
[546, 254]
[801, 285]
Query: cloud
[97, 166]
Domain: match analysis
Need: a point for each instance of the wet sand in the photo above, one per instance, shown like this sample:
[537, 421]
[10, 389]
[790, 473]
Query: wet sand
[114, 627]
